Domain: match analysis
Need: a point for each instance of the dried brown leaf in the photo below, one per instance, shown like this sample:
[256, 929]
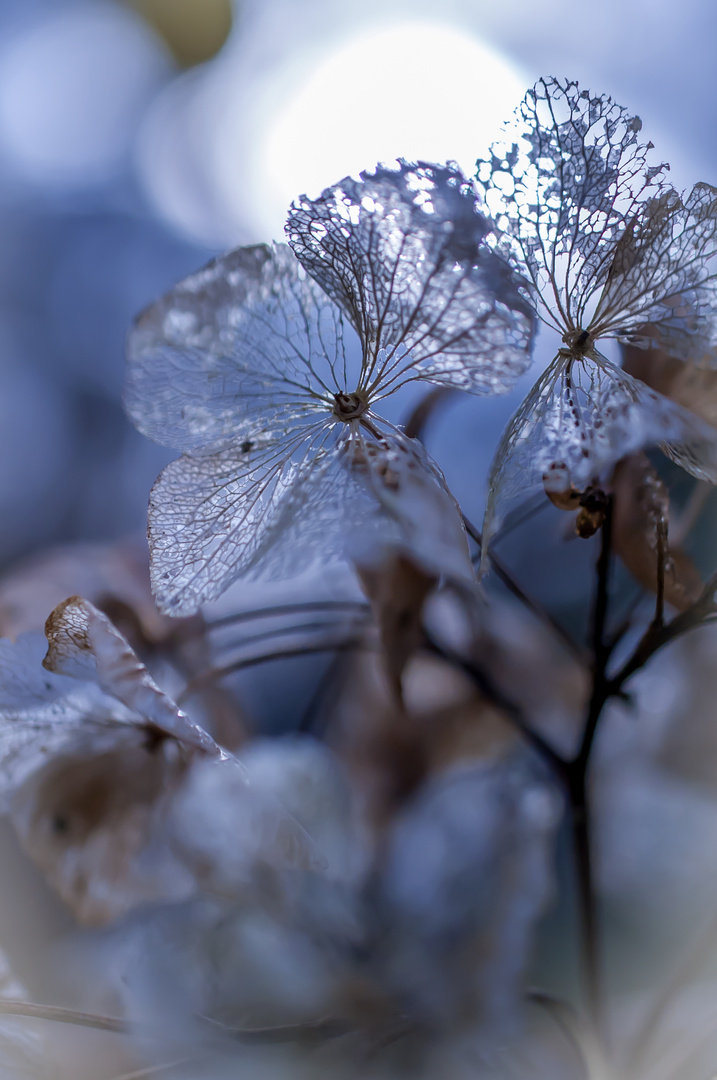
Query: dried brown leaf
[640, 520]
[83, 643]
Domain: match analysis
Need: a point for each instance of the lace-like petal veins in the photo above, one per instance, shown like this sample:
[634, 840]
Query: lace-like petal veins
[582, 417]
[245, 351]
[402, 253]
[579, 205]
[661, 275]
[216, 517]
[83, 643]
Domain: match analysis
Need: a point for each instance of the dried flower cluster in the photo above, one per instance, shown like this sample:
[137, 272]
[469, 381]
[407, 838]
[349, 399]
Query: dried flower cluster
[387, 891]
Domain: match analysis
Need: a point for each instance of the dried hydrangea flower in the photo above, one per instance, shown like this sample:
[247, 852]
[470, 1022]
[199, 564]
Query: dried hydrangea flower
[609, 248]
[266, 366]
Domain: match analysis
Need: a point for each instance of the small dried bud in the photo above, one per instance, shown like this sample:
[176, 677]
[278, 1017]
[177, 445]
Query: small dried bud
[588, 522]
[559, 488]
[593, 508]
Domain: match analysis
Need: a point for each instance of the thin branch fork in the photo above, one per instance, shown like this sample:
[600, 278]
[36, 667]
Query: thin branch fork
[659, 634]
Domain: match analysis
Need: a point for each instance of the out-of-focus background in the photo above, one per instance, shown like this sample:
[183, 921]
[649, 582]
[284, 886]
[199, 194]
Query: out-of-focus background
[139, 138]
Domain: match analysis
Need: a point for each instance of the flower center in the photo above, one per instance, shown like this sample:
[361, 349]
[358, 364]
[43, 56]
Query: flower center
[578, 341]
[350, 406]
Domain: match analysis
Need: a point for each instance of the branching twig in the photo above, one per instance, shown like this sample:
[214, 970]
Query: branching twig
[656, 637]
[493, 693]
[541, 613]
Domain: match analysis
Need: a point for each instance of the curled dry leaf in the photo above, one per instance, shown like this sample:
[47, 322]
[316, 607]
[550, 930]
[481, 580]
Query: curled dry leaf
[640, 533]
[83, 643]
[390, 751]
[101, 771]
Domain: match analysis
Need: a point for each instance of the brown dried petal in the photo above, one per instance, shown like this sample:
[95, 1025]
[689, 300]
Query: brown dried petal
[640, 518]
[695, 388]
[93, 825]
[83, 643]
[397, 589]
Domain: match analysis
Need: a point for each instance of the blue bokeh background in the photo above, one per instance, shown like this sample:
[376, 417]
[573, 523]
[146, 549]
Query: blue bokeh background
[108, 165]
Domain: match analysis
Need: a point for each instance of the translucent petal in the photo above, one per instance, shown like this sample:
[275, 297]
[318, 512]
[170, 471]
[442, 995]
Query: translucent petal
[579, 419]
[245, 350]
[401, 251]
[411, 491]
[42, 714]
[214, 518]
[224, 825]
[661, 275]
[84, 644]
[583, 213]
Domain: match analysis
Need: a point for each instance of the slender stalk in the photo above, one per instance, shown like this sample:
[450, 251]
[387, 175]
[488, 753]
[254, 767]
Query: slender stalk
[577, 787]
[272, 612]
[64, 1016]
[493, 693]
[541, 613]
[661, 560]
[214, 674]
[601, 648]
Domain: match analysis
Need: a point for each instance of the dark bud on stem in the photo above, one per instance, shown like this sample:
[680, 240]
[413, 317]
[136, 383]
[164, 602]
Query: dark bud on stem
[593, 507]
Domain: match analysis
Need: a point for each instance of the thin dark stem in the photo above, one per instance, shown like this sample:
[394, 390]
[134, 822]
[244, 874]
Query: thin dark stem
[482, 680]
[504, 575]
[415, 425]
[325, 1027]
[324, 688]
[657, 636]
[214, 674]
[300, 608]
[64, 1016]
[581, 825]
[601, 648]
[661, 559]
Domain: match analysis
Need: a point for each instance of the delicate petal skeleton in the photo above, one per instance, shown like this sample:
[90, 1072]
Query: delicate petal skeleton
[610, 250]
[266, 366]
